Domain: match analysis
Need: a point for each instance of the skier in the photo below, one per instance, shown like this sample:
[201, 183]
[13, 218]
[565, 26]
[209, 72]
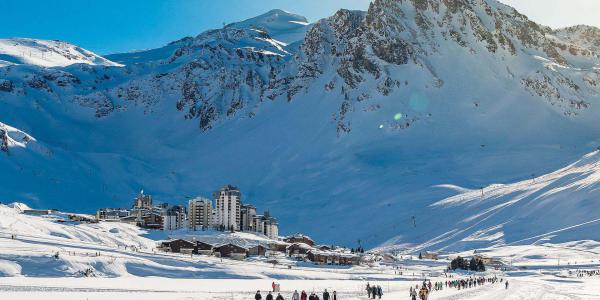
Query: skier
[295, 296]
[257, 296]
[325, 295]
[279, 297]
[269, 296]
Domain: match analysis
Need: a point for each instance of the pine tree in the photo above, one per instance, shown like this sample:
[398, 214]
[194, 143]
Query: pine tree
[473, 264]
[480, 265]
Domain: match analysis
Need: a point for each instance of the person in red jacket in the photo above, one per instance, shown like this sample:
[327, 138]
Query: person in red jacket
[303, 296]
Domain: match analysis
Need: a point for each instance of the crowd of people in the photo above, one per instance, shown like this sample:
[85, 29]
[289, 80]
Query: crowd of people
[296, 295]
[374, 291]
[427, 287]
[589, 273]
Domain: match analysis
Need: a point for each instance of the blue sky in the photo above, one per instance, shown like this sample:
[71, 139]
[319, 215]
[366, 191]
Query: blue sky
[110, 26]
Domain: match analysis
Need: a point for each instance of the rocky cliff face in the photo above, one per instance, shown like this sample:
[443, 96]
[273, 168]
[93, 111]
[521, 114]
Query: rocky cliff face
[579, 40]
[229, 72]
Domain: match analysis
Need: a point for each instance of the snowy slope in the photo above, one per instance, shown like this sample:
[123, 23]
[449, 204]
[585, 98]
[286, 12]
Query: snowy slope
[11, 137]
[351, 128]
[554, 208]
[42, 257]
[47, 53]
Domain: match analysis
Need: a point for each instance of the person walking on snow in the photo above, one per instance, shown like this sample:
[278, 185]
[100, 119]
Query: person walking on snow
[269, 296]
[334, 295]
[303, 296]
[279, 297]
[368, 291]
[273, 286]
[325, 295]
[506, 284]
[295, 296]
[257, 296]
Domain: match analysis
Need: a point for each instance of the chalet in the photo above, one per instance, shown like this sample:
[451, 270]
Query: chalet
[429, 255]
[299, 238]
[112, 214]
[490, 261]
[152, 221]
[324, 247]
[258, 250]
[204, 248]
[389, 258]
[177, 245]
[278, 247]
[231, 251]
[332, 258]
[298, 250]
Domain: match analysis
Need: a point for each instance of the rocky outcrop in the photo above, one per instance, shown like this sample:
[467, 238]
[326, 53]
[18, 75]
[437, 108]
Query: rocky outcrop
[354, 56]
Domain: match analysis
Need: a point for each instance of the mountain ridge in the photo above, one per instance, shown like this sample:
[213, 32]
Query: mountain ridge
[382, 104]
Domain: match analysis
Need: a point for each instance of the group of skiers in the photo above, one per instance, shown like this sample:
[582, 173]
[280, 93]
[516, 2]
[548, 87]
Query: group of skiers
[589, 273]
[374, 291]
[298, 296]
[427, 287]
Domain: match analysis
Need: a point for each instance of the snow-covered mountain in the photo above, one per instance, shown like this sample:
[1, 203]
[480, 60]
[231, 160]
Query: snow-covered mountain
[346, 123]
[47, 53]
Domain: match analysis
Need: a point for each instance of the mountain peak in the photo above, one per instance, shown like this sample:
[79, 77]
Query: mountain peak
[283, 26]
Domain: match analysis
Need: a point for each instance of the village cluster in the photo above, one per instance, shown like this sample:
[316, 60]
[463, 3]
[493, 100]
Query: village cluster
[227, 214]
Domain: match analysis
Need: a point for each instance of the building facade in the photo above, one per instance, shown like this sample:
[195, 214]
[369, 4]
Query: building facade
[142, 201]
[200, 213]
[112, 214]
[247, 215]
[175, 217]
[266, 225]
[228, 207]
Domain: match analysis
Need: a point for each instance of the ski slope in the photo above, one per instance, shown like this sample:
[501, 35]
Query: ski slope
[28, 268]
